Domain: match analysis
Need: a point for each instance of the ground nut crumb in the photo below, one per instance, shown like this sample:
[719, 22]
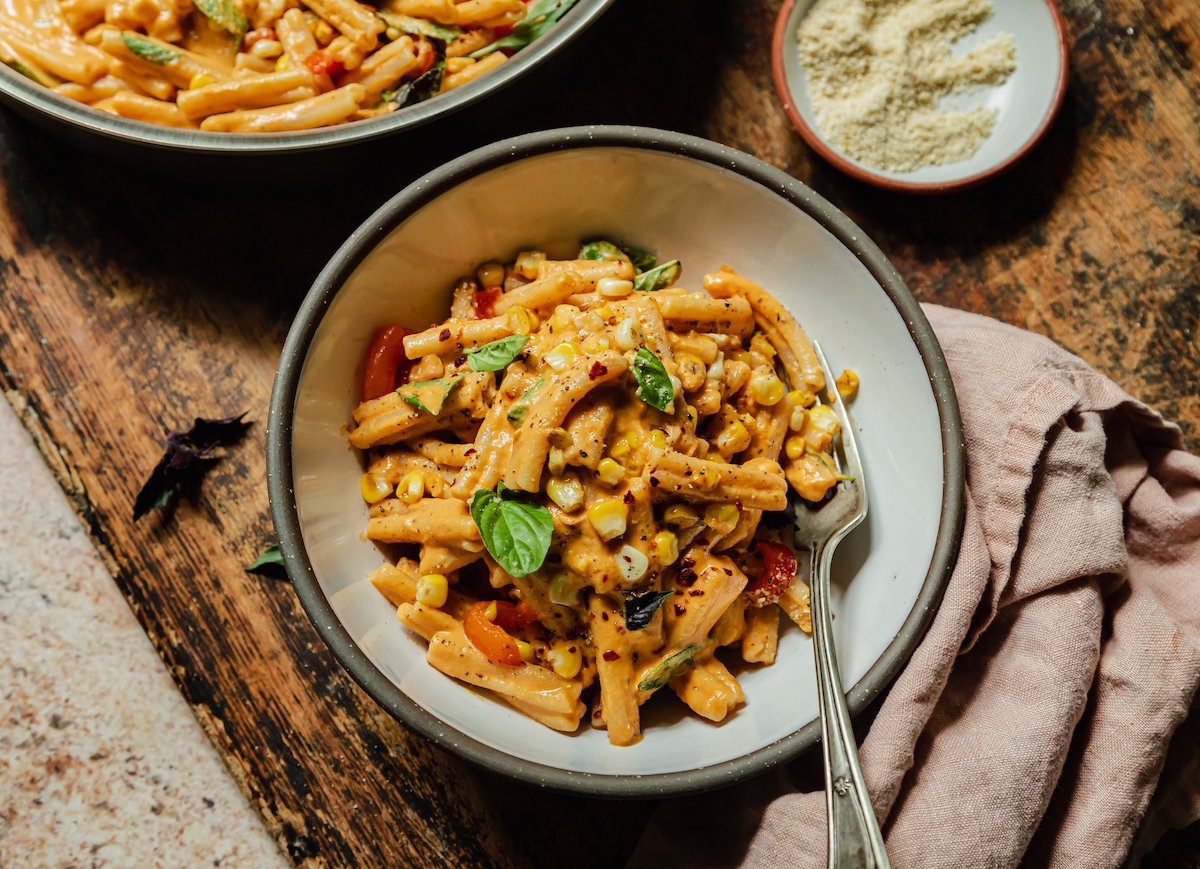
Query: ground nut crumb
[877, 70]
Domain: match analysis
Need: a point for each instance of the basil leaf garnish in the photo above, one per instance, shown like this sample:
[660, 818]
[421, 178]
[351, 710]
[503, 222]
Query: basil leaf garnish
[420, 27]
[669, 668]
[516, 533]
[609, 250]
[147, 50]
[271, 556]
[657, 278]
[496, 355]
[517, 413]
[429, 395]
[421, 88]
[639, 608]
[540, 16]
[225, 14]
[654, 384]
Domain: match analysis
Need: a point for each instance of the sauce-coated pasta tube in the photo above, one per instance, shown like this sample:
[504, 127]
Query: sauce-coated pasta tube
[700, 313]
[759, 484]
[709, 690]
[246, 93]
[357, 22]
[430, 520]
[541, 293]
[456, 335]
[319, 111]
[614, 668]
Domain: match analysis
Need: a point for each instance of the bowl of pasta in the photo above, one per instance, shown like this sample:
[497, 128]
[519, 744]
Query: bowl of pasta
[537, 442]
[268, 76]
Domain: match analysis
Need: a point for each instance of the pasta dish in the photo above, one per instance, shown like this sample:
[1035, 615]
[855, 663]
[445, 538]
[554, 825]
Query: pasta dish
[586, 472]
[249, 66]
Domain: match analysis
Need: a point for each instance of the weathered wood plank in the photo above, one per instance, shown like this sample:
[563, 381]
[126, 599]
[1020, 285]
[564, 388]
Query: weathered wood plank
[131, 303]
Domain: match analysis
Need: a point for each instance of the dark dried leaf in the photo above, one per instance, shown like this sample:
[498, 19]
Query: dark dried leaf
[186, 459]
[639, 608]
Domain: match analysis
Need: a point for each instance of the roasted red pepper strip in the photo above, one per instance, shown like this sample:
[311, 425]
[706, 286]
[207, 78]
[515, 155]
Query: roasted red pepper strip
[386, 367]
[488, 637]
[483, 305]
[779, 568]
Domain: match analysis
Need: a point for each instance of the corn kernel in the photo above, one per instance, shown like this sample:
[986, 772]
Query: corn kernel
[491, 611]
[823, 418]
[589, 322]
[666, 547]
[605, 312]
[267, 49]
[374, 488]
[608, 518]
[632, 563]
[556, 461]
[490, 274]
[393, 33]
[527, 262]
[283, 64]
[760, 345]
[722, 518]
[323, 32]
[636, 438]
[767, 389]
[526, 651]
[797, 419]
[733, 438]
[563, 591]
[614, 288]
[628, 335]
[692, 415]
[521, 321]
[563, 317]
[847, 383]
[564, 658]
[566, 492]
[199, 80]
[610, 472]
[658, 439]
[432, 590]
[620, 449]
[739, 355]
[795, 447]
[736, 375]
[411, 487]
[680, 516]
[594, 344]
[561, 356]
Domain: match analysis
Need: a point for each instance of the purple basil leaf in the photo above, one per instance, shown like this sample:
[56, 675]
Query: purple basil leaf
[185, 460]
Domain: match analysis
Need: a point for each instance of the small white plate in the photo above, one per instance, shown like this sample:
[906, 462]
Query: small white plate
[1027, 102]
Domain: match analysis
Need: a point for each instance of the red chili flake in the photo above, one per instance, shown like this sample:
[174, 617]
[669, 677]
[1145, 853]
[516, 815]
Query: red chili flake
[687, 577]
[696, 592]
[680, 609]
[610, 655]
[444, 335]
[628, 498]
[654, 481]
[598, 369]
[320, 63]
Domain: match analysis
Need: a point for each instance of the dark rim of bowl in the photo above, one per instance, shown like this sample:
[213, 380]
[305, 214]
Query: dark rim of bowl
[34, 96]
[784, 29]
[377, 685]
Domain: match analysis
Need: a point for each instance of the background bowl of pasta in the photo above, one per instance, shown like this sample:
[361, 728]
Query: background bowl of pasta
[730, 221]
[268, 77]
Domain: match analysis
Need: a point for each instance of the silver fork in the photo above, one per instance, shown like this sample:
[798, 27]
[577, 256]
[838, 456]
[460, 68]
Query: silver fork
[855, 839]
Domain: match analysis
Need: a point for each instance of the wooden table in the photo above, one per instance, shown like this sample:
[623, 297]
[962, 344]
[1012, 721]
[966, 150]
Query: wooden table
[129, 304]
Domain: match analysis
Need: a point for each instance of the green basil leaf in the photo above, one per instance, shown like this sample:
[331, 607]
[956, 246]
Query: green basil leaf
[496, 355]
[642, 260]
[41, 78]
[421, 88]
[271, 557]
[147, 50]
[224, 14]
[429, 395]
[640, 608]
[654, 384]
[516, 533]
[517, 413]
[656, 278]
[603, 250]
[540, 16]
[669, 668]
[420, 27]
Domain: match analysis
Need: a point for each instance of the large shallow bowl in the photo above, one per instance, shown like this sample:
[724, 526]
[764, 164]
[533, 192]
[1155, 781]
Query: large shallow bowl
[91, 127]
[682, 197]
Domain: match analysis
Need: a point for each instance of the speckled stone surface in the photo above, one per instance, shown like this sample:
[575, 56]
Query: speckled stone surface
[101, 762]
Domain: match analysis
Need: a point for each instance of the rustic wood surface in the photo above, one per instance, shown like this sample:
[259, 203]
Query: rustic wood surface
[129, 304]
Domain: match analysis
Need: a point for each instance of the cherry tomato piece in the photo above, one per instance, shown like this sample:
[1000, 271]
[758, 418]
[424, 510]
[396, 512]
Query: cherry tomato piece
[489, 638]
[515, 617]
[320, 62]
[779, 568]
[484, 303]
[386, 367]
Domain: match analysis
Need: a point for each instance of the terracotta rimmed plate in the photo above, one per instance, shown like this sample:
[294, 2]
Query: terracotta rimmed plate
[1027, 102]
[682, 197]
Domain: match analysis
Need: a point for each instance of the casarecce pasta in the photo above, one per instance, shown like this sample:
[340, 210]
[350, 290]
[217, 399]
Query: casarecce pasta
[586, 469]
[249, 66]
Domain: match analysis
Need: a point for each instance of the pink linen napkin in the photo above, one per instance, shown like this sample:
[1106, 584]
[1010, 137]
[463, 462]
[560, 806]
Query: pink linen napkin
[1033, 724]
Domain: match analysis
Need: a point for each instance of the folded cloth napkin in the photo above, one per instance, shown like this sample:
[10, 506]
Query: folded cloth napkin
[1033, 723]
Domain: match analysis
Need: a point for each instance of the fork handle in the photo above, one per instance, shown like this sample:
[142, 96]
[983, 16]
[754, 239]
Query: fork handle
[855, 839]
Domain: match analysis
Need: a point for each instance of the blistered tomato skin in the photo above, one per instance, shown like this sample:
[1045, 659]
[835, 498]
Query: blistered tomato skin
[386, 367]
[485, 303]
[489, 638]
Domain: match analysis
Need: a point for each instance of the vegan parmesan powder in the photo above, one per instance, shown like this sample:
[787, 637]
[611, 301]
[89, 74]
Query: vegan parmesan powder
[877, 71]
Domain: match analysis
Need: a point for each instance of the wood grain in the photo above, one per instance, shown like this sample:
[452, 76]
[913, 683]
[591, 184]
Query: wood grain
[129, 304]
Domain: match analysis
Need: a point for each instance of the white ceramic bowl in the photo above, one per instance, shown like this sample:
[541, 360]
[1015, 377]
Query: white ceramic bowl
[1026, 103]
[680, 197]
